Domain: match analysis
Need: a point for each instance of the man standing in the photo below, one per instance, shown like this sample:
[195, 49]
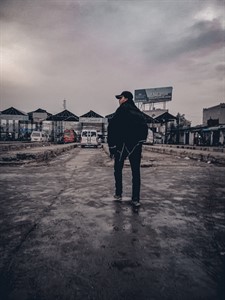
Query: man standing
[127, 131]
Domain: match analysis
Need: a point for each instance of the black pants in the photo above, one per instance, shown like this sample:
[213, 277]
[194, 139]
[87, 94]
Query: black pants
[135, 161]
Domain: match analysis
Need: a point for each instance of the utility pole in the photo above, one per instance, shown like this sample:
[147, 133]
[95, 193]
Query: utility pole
[64, 104]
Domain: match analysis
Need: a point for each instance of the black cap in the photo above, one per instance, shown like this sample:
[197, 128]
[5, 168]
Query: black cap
[126, 94]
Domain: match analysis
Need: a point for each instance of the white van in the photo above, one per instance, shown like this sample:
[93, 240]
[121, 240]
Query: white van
[89, 138]
[38, 136]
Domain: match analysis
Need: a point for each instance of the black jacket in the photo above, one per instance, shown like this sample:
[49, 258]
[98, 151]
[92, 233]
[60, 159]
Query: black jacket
[127, 127]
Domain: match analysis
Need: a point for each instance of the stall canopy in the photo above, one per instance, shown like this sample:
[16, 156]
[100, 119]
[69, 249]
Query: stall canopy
[13, 111]
[65, 115]
[91, 114]
[165, 117]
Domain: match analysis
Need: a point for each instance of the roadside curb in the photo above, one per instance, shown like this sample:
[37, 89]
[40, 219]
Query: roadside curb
[4, 147]
[201, 155]
[35, 154]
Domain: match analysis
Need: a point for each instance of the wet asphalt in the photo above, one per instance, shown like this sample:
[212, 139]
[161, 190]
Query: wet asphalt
[63, 236]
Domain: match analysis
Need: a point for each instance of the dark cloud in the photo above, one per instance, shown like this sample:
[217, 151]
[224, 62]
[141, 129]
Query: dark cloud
[206, 34]
[200, 39]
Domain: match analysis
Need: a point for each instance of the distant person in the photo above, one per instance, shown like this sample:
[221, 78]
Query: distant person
[127, 130]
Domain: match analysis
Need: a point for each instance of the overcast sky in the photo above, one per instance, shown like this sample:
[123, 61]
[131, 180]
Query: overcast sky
[88, 51]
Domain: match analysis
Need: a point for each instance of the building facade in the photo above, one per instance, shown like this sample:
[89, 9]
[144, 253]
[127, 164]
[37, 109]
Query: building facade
[214, 113]
[10, 120]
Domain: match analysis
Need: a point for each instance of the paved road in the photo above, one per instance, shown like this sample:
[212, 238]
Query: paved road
[63, 237]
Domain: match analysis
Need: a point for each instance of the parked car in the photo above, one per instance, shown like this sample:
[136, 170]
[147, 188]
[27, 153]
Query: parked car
[38, 136]
[89, 138]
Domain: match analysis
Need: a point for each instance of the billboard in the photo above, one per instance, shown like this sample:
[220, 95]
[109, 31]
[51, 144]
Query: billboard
[153, 95]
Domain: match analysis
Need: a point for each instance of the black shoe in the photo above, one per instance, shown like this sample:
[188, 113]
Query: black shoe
[118, 197]
[135, 203]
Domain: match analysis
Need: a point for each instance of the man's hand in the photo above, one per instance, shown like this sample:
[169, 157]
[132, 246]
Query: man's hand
[112, 151]
[111, 156]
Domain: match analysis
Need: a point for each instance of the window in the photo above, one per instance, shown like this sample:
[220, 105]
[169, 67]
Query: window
[36, 134]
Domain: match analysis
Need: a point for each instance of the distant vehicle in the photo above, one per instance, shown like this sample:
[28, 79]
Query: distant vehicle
[150, 138]
[69, 136]
[89, 138]
[38, 136]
